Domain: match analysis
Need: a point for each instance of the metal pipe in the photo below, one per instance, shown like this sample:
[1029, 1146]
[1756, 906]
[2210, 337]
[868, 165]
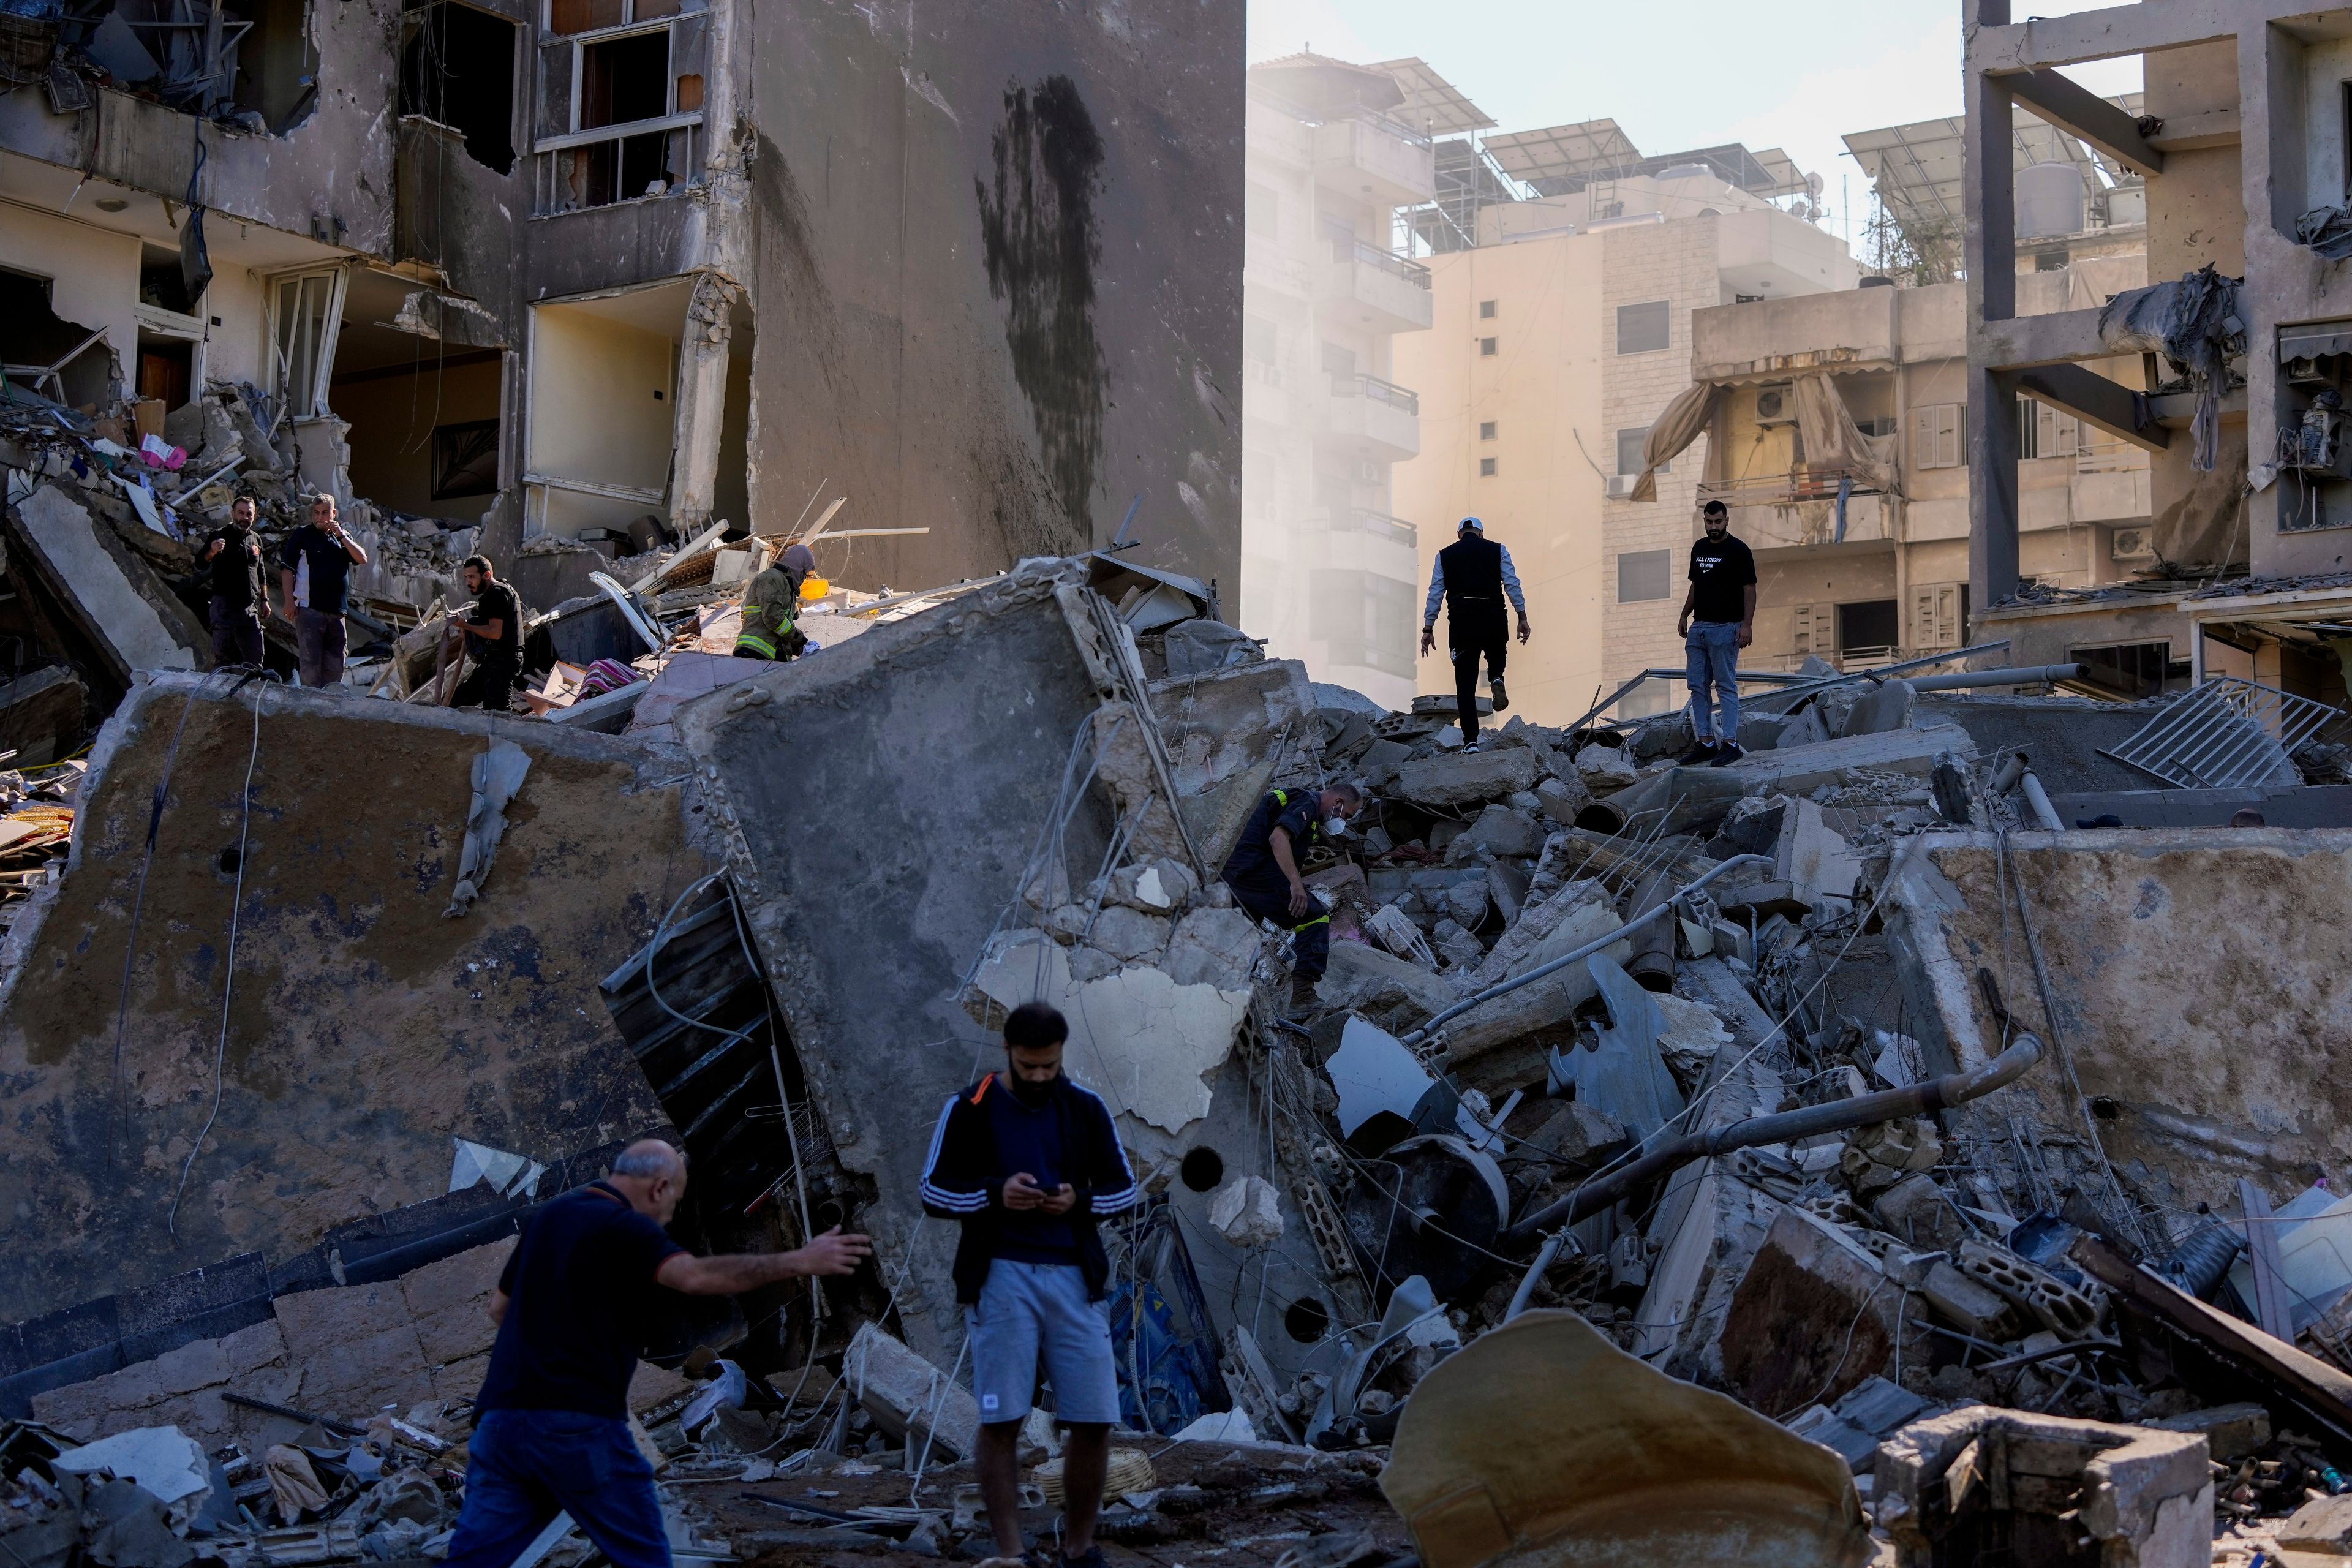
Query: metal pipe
[1881, 674]
[2005, 777]
[2038, 799]
[2011, 675]
[1587, 951]
[1544, 1254]
[1836, 1116]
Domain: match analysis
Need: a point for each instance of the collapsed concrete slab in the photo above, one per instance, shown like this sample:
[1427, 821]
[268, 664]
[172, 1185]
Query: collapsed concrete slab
[115, 599]
[2198, 979]
[1813, 1316]
[362, 1030]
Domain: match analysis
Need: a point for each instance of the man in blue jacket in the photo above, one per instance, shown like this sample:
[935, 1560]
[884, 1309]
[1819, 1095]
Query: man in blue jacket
[1028, 1160]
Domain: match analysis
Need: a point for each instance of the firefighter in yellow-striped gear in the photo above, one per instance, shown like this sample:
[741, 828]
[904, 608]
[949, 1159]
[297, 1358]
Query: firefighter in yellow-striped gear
[772, 607]
[1263, 872]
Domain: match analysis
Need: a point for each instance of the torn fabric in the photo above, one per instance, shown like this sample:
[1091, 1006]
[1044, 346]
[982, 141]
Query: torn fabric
[2328, 230]
[497, 775]
[1834, 441]
[2198, 324]
[1687, 418]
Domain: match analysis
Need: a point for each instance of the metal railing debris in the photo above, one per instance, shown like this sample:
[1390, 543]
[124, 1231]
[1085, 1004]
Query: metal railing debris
[2228, 733]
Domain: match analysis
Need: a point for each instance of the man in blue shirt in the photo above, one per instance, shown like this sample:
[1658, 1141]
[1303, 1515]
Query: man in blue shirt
[1472, 575]
[314, 565]
[1028, 1161]
[552, 1422]
[1263, 872]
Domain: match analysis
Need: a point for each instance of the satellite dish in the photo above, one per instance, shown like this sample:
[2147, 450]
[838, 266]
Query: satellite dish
[1814, 186]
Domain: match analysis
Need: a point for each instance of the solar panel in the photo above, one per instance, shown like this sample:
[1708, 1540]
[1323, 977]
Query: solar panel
[1430, 101]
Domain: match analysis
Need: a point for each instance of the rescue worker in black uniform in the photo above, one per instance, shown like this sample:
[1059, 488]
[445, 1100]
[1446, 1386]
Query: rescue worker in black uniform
[1472, 575]
[1263, 872]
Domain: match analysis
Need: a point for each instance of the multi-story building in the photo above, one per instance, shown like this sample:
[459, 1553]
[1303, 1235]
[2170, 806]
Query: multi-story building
[1566, 273]
[549, 266]
[1328, 566]
[2241, 143]
[1866, 560]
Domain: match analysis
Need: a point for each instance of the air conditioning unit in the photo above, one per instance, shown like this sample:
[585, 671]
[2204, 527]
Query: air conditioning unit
[1620, 486]
[2132, 545]
[1775, 406]
[1369, 472]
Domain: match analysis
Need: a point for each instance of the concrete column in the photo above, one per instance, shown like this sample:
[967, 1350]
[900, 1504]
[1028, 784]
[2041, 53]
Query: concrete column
[1989, 183]
[701, 402]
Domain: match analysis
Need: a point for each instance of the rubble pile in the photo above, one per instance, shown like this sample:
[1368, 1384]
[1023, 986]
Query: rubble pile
[1755, 1142]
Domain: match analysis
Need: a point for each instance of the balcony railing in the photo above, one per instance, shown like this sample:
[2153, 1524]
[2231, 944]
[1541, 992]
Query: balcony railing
[1401, 398]
[1379, 524]
[1803, 483]
[1387, 261]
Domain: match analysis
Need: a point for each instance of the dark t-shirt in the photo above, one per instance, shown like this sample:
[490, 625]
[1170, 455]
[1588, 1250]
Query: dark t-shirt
[581, 1293]
[1030, 1140]
[331, 567]
[498, 601]
[1722, 573]
[237, 570]
[1252, 863]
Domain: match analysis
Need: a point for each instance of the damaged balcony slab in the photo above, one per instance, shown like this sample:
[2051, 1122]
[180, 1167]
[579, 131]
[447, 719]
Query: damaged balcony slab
[365, 1030]
[2198, 978]
[118, 601]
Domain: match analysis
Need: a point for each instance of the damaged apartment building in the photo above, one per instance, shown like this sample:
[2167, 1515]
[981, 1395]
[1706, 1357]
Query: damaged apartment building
[569, 280]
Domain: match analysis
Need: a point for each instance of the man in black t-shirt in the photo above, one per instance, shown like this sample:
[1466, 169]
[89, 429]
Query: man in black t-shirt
[1718, 619]
[315, 565]
[491, 627]
[551, 1423]
[233, 562]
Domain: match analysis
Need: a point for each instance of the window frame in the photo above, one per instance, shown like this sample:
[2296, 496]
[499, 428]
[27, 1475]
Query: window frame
[1488, 468]
[1641, 560]
[1932, 426]
[322, 355]
[1665, 344]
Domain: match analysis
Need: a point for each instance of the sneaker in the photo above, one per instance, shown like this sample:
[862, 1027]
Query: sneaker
[1699, 756]
[1501, 701]
[1726, 754]
[1092, 1557]
[1468, 748]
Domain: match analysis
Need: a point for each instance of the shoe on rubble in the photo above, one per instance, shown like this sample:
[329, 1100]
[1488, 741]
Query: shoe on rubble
[1699, 756]
[1302, 999]
[1467, 747]
[1501, 700]
[1727, 754]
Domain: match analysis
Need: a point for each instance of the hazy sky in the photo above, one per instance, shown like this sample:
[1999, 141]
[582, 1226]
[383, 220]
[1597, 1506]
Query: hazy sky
[1677, 74]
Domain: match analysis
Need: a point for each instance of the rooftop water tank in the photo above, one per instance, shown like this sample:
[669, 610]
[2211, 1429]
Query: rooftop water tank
[2049, 200]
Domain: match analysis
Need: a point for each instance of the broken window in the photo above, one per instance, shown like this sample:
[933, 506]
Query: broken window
[620, 99]
[39, 350]
[457, 68]
[1868, 626]
[248, 60]
[305, 311]
[2131, 671]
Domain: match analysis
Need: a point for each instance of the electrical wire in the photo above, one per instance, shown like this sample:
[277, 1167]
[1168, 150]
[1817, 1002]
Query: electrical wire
[228, 972]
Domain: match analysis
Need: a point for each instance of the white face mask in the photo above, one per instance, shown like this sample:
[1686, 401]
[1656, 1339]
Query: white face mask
[1335, 827]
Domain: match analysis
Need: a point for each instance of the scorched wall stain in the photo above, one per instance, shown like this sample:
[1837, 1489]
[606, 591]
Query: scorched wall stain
[1039, 242]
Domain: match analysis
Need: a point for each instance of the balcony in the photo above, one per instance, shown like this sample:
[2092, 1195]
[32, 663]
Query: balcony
[1376, 524]
[1377, 160]
[2110, 483]
[1385, 292]
[1799, 510]
[1378, 418]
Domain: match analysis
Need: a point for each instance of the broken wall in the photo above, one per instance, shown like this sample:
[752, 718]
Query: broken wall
[1001, 253]
[2199, 978]
[364, 1029]
[885, 798]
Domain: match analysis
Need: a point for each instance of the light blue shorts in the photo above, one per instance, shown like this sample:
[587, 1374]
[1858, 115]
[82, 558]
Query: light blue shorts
[1034, 1312]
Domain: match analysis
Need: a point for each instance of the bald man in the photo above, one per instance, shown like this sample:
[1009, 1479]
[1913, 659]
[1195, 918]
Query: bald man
[551, 1423]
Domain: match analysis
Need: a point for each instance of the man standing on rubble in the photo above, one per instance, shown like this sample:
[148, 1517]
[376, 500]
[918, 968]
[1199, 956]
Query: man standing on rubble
[1263, 872]
[315, 566]
[1471, 574]
[1028, 1161]
[1718, 619]
[491, 627]
[772, 607]
[551, 1423]
[233, 558]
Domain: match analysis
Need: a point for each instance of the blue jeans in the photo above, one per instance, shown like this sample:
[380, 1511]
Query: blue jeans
[526, 1465]
[1712, 651]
